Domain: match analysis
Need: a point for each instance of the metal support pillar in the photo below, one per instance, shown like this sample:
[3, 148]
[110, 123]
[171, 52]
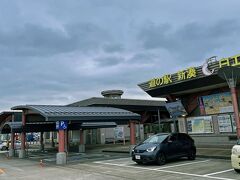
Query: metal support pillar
[41, 141]
[12, 149]
[22, 152]
[52, 139]
[66, 140]
[81, 145]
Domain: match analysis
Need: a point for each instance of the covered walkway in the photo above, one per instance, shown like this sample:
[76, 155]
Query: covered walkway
[45, 118]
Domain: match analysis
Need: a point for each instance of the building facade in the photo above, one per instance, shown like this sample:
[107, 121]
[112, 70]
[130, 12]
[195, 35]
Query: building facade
[206, 97]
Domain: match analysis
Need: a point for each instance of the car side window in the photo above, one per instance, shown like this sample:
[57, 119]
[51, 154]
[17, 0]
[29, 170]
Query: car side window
[172, 138]
[182, 137]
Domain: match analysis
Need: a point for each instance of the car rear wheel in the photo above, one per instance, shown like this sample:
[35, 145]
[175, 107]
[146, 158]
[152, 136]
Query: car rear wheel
[161, 159]
[4, 148]
[191, 155]
[237, 170]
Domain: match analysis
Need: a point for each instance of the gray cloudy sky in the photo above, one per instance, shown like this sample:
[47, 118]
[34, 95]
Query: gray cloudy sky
[62, 51]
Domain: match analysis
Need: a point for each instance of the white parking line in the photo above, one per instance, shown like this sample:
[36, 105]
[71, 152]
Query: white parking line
[166, 171]
[113, 160]
[182, 164]
[218, 172]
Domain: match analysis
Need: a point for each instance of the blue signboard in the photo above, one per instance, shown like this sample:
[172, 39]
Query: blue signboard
[61, 125]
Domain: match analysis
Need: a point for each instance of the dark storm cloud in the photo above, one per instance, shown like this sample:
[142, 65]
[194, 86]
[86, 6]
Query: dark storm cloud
[109, 61]
[192, 40]
[32, 40]
[57, 53]
[144, 58]
[111, 48]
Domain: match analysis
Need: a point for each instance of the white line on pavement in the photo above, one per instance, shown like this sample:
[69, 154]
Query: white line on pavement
[184, 164]
[113, 160]
[218, 172]
[167, 171]
[216, 149]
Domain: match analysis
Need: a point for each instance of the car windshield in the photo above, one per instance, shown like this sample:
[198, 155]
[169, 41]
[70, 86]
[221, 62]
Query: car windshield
[156, 139]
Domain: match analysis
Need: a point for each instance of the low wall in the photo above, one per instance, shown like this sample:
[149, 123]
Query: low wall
[211, 140]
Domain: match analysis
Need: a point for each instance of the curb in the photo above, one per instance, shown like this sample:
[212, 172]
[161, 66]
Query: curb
[112, 151]
[214, 157]
[198, 155]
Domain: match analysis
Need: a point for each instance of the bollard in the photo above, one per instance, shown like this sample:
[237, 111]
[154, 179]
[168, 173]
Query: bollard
[7, 155]
[41, 163]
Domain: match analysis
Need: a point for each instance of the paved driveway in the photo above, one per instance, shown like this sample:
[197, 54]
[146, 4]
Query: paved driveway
[116, 167]
[201, 168]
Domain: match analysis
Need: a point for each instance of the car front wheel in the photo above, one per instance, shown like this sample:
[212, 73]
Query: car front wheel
[161, 159]
[237, 170]
[191, 155]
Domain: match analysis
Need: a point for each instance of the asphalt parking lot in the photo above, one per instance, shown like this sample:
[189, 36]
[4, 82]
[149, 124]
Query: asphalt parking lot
[201, 168]
[113, 166]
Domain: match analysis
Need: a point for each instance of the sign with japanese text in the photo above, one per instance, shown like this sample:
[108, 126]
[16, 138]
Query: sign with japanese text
[192, 72]
[201, 124]
[225, 123]
[119, 132]
[167, 79]
[231, 61]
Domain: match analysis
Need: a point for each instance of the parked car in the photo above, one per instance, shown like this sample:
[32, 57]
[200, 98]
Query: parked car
[235, 157]
[161, 147]
[17, 144]
[3, 145]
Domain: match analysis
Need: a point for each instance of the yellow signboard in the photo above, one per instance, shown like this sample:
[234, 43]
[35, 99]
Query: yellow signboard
[191, 72]
[231, 61]
[167, 79]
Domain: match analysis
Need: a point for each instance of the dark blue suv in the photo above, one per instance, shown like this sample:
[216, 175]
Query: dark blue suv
[162, 147]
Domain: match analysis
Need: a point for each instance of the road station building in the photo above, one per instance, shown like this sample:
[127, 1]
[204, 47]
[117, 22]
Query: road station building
[74, 122]
[210, 111]
[211, 106]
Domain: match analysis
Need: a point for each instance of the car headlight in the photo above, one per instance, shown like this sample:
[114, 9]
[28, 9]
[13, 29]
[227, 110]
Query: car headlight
[151, 149]
[235, 151]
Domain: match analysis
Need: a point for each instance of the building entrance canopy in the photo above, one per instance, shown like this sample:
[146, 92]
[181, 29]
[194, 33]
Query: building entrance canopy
[43, 118]
[79, 114]
[17, 127]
